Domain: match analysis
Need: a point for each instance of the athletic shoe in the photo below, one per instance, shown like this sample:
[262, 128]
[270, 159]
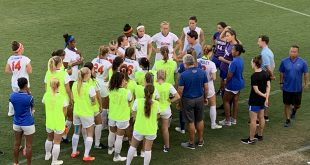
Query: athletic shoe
[287, 123]
[166, 149]
[266, 118]
[48, 156]
[200, 144]
[259, 138]
[57, 162]
[216, 126]
[88, 158]
[188, 145]
[110, 150]
[178, 129]
[74, 155]
[66, 141]
[233, 121]
[293, 114]
[142, 154]
[101, 146]
[119, 159]
[224, 122]
[247, 141]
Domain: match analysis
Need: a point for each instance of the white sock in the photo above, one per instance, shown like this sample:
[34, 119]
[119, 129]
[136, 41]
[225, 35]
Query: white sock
[111, 139]
[130, 154]
[104, 116]
[55, 152]
[84, 133]
[88, 144]
[11, 108]
[147, 157]
[213, 115]
[48, 146]
[68, 124]
[75, 142]
[118, 144]
[98, 129]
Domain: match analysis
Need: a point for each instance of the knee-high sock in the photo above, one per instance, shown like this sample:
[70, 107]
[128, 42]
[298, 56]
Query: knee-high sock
[56, 151]
[111, 139]
[48, 146]
[147, 157]
[98, 129]
[118, 144]
[130, 154]
[75, 142]
[88, 144]
[213, 115]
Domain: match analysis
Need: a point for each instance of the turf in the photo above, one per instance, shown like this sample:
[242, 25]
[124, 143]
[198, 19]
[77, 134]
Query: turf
[40, 25]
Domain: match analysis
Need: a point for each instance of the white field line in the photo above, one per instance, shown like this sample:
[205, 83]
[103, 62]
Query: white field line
[283, 8]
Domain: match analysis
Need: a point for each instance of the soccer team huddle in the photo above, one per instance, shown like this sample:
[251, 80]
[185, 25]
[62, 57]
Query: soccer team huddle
[121, 91]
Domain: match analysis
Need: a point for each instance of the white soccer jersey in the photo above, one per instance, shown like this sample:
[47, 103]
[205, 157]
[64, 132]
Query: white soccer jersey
[161, 41]
[142, 42]
[101, 67]
[111, 58]
[121, 50]
[18, 65]
[185, 31]
[133, 67]
[72, 56]
[210, 68]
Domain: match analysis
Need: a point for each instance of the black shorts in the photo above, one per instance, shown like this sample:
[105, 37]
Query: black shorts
[292, 98]
[193, 109]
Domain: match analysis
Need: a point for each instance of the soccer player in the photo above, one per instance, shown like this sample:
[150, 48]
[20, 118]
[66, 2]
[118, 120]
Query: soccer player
[168, 94]
[23, 120]
[192, 25]
[209, 67]
[259, 99]
[145, 111]
[132, 38]
[102, 67]
[218, 44]
[19, 65]
[131, 63]
[165, 38]
[112, 51]
[292, 70]
[144, 43]
[144, 64]
[234, 83]
[56, 111]
[122, 42]
[119, 114]
[84, 96]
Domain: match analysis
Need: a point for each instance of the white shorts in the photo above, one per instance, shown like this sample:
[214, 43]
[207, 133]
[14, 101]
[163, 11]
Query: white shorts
[140, 137]
[211, 90]
[118, 124]
[59, 132]
[166, 114]
[28, 130]
[85, 121]
[104, 88]
[234, 92]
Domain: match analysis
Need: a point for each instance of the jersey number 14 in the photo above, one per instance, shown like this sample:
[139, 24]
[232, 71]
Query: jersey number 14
[15, 65]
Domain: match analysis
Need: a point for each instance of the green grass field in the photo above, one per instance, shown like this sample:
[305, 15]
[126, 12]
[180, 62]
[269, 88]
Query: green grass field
[41, 24]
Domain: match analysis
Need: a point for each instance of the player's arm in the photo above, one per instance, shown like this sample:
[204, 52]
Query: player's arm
[149, 50]
[257, 91]
[222, 59]
[213, 76]
[7, 69]
[29, 68]
[178, 45]
[65, 111]
[222, 36]
[182, 39]
[306, 80]
[202, 37]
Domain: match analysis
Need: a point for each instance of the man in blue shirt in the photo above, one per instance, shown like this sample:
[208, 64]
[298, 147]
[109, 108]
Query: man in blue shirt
[193, 88]
[292, 70]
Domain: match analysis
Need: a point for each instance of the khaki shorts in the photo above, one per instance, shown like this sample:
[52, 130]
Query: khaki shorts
[140, 137]
[119, 124]
[28, 130]
[85, 121]
[59, 132]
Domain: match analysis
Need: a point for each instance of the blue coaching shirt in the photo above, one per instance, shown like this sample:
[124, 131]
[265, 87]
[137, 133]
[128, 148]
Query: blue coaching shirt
[267, 58]
[198, 49]
[236, 83]
[193, 80]
[22, 103]
[293, 71]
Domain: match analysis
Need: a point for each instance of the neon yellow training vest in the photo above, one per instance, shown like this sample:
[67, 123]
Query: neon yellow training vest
[82, 102]
[169, 67]
[60, 75]
[119, 108]
[164, 92]
[93, 83]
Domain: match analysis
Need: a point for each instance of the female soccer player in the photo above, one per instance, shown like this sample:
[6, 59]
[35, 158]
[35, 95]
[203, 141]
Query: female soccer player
[102, 68]
[234, 83]
[119, 114]
[168, 94]
[218, 44]
[122, 42]
[259, 99]
[131, 63]
[56, 111]
[165, 38]
[166, 64]
[23, 120]
[112, 51]
[145, 67]
[209, 67]
[84, 96]
[19, 65]
[144, 43]
[146, 113]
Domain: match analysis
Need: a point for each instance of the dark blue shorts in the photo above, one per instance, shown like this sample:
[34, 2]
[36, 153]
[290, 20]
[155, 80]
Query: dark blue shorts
[216, 61]
[255, 108]
[223, 74]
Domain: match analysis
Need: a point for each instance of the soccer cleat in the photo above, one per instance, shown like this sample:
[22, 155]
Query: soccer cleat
[216, 126]
[110, 150]
[224, 122]
[200, 144]
[101, 146]
[233, 121]
[166, 149]
[259, 138]
[266, 118]
[119, 159]
[247, 141]
[57, 162]
[178, 129]
[88, 158]
[74, 155]
[48, 156]
[287, 123]
[188, 145]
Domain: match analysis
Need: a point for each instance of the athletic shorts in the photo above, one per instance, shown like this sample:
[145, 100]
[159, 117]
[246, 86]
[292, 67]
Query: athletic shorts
[211, 90]
[104, 89]
[223, 74]
[28, 130]
[85, 121]
[234, 92]
[140, 137]
[193, 109]
[166, 114]
[59, 132]
[216, 61]
[292, 98]
[118, 124]
[256, 108]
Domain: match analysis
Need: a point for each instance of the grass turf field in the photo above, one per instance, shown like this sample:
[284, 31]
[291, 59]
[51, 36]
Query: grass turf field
[41, 24]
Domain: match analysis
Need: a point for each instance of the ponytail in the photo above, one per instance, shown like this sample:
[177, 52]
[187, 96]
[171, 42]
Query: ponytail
[149, 78]
[161, 75]
[81, 75]
[54, 85]
[165, 53]
[145, 63]
[53, 63]
[148, 92]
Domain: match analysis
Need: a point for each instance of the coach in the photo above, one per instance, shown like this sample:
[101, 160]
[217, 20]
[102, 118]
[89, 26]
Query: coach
[193, 87]
[292, 70]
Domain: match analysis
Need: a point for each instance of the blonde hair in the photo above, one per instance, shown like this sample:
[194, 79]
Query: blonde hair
[161, 74]
[54, 83]
[53, 62]
[164, 23]
[103, 50]
[81, 75]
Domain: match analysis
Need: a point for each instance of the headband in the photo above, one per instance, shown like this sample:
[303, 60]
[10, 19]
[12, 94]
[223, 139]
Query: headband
[128, 31]
[19, 48]
[139, 27]
[71, 38]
